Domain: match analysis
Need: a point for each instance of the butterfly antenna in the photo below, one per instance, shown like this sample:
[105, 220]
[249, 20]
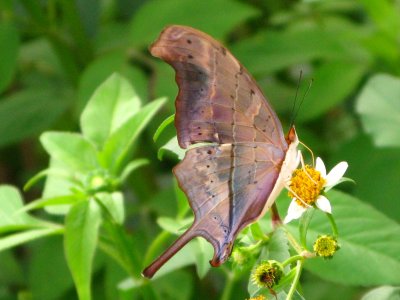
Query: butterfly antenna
[295, 99]
[302, 99]
[309, 150]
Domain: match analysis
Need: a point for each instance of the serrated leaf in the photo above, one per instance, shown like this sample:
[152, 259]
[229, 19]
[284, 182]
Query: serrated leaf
[113, 103]
[119, 143]
[71, 148]
[379, 107]
[80, 241]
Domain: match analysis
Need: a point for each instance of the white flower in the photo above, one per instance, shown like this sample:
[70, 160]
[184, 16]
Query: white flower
[307, 186]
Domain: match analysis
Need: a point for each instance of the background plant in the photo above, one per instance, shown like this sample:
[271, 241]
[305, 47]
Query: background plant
[54, 54]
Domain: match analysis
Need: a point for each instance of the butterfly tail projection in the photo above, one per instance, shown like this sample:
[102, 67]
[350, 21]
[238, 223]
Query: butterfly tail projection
[149, 271]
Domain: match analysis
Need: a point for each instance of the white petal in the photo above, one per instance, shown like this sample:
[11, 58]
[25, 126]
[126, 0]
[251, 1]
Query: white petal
[298, 158]
[294, 212]
[323, 204]
[336, 173]
[320, 167]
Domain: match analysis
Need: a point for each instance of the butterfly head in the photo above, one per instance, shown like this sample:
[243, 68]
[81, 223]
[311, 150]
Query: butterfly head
[291, 137]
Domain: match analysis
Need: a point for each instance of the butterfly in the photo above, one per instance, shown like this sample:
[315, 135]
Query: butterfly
[233, 179]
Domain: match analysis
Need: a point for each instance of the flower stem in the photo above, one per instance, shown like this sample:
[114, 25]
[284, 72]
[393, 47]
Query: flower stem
[296, 279]
[293, 241]
[292, 259]
[276, 219]
[333, 225]
[230, 279]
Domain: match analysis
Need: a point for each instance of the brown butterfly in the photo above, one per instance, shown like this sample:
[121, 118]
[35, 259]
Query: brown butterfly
[234, 180]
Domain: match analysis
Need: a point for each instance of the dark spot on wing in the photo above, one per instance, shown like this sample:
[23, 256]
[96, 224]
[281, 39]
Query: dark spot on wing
[223, 51]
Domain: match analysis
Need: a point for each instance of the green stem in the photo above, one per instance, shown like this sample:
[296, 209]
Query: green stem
[333, 225]
[293, 241]
[296, 279]
[292, 259]
[230, 280]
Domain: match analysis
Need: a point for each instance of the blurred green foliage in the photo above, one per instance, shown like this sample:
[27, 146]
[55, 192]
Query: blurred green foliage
[55, 53]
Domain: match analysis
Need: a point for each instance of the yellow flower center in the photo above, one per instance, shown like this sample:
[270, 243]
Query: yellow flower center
[326, 246]
[306, 185]
[259, 297]
[267, 274]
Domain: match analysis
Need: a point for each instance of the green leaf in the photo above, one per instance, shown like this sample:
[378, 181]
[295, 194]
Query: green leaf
[181, 201]
[23, 237]
[81, 231]
[132, 166]
[203, 17]
[383, 293]
[58, 184]
[162, 126]
[174, 226]
[370, 251]
[46, 172]
[386, 16]
[41, 253]
[270, 51]
[9, 40]
[10, 216]
[168, 289]
[114, 203]
[203, 255]
[379, 107]
[113, 103]
[119, 143]
[334, 81]
[173, 147]
[304, 222]
[29, 112]
[277, 249]
[375, 171]
[188, 255]
[122, 248]
[58, 200]
[71, 148]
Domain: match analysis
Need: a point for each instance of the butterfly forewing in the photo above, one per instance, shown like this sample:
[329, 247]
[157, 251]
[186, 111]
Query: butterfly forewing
[218, 100]
[227, 183]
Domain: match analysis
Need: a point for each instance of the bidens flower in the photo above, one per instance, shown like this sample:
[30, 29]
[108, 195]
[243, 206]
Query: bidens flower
[325, 246]
[308, 185]
[267, 274]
